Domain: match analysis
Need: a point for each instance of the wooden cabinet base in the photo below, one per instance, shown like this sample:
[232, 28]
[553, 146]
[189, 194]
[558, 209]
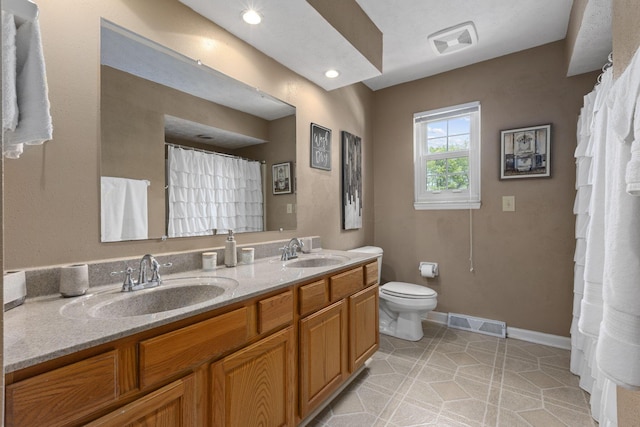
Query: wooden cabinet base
[270, 361]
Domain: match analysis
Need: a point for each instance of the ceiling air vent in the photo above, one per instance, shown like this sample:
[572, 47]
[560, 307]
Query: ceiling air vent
[454, 39]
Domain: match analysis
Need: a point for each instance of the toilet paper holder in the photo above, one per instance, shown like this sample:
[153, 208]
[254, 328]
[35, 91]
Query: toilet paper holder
[428, 269]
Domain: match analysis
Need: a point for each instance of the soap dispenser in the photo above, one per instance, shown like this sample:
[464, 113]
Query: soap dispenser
[230, 255]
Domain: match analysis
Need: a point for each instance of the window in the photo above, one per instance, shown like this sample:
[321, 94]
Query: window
[446, 150]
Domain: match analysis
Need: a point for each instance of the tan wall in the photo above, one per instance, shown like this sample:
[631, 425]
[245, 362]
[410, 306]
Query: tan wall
[51, 193]
[626, 41]
[626, 33]
[277, 213]
[523, 260]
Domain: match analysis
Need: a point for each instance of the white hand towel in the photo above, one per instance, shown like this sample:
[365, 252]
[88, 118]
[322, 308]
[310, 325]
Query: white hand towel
[34, 123]
[623, 99]
[124, 211]
[618, 352]
[632, 175]
[112, 206]
[9, 97]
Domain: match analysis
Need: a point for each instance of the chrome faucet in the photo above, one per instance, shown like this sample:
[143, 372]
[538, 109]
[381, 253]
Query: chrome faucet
[290, 250]
[147, 262]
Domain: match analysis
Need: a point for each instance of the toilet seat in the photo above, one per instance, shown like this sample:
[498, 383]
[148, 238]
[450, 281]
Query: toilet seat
[408, 290]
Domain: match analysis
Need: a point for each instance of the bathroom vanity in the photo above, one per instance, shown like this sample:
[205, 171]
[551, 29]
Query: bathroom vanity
[270, 350]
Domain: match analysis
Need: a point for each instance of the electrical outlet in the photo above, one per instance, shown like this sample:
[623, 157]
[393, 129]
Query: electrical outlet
[508, 203]
[289, 208]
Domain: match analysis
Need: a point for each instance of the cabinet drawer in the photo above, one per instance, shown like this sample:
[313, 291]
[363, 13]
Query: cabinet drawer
[371, 273]
[275, 311]
[313, 297]
[168, 354]
[346, 283]
[60, 396]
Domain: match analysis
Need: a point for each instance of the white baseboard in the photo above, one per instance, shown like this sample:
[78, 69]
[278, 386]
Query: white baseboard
[516, 333]
[539, 338]
[437, 317]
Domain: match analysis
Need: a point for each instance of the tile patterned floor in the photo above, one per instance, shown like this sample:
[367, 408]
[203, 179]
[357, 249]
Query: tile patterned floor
[458, 378]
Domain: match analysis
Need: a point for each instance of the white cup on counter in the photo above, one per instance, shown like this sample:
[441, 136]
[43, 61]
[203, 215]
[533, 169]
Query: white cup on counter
[247, 255]
[74, 280]
[209, 261]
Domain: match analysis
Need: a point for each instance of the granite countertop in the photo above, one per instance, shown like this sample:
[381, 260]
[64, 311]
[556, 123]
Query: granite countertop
[48, 327]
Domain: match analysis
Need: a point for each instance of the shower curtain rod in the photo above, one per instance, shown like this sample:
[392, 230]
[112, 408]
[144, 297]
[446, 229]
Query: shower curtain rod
[21, 8]
[605, 67]
[184, 147]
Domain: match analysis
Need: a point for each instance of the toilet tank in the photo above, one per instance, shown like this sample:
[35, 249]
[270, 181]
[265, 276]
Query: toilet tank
[372, 250]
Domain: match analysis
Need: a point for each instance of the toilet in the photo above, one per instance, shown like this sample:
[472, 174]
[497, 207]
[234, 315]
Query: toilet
[402, 305]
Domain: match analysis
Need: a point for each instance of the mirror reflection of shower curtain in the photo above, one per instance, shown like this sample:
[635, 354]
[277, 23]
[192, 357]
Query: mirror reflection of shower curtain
[210, 191]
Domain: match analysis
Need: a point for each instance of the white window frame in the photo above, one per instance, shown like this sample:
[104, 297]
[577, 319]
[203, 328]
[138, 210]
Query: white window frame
[446, 199]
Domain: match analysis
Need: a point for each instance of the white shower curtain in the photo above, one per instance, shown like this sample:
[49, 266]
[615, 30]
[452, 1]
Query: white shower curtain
[590, 157]
[605, 331]
[209, 191]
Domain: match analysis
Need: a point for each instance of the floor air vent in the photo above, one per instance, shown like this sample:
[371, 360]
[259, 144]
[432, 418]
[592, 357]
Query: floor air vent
[477, 324]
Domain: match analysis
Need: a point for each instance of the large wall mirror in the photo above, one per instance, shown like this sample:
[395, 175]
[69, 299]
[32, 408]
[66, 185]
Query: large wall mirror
[199, 146]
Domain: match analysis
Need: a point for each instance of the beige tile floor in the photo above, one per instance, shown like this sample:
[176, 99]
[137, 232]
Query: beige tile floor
[459, 378]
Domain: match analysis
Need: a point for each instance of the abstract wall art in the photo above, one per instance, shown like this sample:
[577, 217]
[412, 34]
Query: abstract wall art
[351, 181]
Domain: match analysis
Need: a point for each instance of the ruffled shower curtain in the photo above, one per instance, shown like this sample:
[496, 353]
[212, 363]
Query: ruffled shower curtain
[209, 191]
[605, 332]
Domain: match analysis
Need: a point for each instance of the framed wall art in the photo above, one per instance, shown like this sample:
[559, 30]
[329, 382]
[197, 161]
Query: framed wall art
[525, 152]
[281, 174]
[320, 147]
[351, 181]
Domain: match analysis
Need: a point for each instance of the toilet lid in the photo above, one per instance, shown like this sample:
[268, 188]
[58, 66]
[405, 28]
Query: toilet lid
[408, 290]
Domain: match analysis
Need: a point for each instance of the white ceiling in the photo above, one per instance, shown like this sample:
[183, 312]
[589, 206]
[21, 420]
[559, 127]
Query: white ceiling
[187, 130]
[296, 35]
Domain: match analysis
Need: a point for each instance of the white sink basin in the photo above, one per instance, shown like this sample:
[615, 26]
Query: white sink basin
[317, 261]
[172, 294]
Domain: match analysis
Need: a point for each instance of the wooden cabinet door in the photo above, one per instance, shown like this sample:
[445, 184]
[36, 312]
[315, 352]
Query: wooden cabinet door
[171, 406]
[255, 386]
[62, 396]
[364, 338]
[323, 355]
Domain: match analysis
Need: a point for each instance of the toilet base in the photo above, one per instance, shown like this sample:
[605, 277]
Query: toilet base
[407, 326]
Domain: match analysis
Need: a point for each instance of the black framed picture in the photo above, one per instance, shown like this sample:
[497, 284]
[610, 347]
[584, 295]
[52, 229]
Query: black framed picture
[525, 152]
[320, 147]
[281, 174]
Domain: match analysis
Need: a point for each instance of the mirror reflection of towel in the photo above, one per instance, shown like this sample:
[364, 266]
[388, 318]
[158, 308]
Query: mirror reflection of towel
[124, 209]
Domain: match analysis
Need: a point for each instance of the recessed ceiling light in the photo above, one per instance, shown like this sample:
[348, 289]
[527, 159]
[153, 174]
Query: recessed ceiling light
[332, 74]
[252, 17]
